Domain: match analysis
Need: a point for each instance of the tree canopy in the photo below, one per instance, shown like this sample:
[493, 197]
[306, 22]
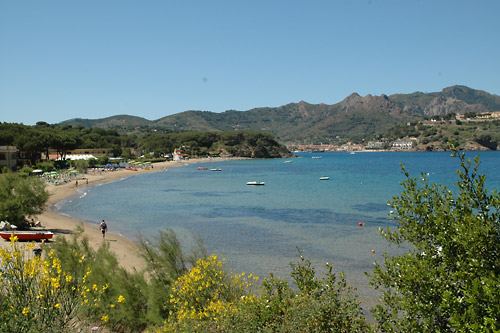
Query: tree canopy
[20, 197]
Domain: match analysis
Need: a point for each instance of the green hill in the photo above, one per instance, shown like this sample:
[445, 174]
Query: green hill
[115, 122]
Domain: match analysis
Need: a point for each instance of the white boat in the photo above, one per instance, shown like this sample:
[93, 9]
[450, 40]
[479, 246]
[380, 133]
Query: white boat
[256, 183]
[324, 178]
[288, 161]
[316, 157]
[215, 169]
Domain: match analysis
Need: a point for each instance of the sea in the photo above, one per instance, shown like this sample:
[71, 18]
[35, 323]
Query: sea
[260, 229]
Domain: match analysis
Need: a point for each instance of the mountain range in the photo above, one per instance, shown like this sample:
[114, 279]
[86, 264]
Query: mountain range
[354, 118]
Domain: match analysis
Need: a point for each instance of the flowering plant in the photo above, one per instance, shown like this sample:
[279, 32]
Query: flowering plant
[37, 295]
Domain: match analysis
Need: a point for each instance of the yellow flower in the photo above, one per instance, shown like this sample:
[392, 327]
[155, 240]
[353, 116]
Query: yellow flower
[121, 299]
[57, 306]
[13, 238]
[105, 318]
[26, 311]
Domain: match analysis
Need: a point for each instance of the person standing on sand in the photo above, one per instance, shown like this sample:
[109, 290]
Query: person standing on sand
[103, 228]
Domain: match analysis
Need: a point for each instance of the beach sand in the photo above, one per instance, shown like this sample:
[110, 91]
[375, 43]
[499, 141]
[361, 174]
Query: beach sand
[127, 251]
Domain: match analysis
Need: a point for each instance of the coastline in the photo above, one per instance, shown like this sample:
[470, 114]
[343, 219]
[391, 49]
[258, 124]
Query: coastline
[126, 250]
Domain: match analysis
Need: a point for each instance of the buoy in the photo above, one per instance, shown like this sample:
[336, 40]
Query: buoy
[361, 224]
[373, 251]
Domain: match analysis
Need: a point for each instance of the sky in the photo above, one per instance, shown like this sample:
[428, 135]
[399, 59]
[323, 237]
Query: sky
[98, 58]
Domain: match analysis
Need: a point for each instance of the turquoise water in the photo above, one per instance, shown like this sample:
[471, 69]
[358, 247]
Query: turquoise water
[257, 228]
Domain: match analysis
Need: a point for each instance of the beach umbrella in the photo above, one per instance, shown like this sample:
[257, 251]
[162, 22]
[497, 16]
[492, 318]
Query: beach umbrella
[37, 171]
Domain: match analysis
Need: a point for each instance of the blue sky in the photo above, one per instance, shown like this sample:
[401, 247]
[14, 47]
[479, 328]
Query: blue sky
[98, 58]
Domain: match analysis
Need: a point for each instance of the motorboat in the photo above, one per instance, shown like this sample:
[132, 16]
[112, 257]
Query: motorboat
[324, 178]
[256, 183]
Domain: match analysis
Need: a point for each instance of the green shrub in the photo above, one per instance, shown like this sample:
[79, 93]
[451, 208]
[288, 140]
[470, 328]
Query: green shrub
[450, 278]
[320, 305]
[123, 305]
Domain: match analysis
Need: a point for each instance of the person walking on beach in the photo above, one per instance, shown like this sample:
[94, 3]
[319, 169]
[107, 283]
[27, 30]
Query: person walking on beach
[103, 228]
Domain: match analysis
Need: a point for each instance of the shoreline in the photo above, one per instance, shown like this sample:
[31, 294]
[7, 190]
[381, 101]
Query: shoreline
[126, 250]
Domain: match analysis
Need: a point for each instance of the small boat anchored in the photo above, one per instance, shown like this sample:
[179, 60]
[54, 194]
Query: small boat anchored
[215, 169]
[324, 178]
[27, 235]
[255, 183]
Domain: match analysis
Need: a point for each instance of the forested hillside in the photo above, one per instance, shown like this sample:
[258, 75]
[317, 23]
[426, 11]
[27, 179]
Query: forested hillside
[36, 141]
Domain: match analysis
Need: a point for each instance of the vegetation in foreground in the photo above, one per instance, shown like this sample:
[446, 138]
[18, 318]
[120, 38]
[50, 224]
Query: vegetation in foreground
[448, 281]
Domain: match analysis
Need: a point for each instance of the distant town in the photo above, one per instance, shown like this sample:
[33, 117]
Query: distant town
[407, 144]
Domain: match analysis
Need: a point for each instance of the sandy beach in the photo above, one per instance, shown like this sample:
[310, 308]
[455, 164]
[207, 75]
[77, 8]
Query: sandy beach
[126, 250]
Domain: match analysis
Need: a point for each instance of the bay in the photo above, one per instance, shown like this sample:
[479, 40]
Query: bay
[258, 228]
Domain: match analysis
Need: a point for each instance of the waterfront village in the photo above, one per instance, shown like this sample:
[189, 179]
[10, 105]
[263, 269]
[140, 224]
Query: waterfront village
[409, 144]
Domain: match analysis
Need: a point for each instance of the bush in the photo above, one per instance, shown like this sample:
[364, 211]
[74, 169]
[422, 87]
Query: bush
[450, 278]
[39, 295]
[123, 305]
[320, 305]
[202, 298]
[165, 263]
